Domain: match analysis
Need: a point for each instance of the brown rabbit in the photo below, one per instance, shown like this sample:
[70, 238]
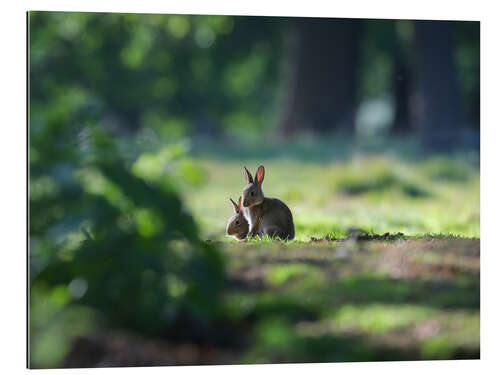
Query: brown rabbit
[266, 216]
[237, 226]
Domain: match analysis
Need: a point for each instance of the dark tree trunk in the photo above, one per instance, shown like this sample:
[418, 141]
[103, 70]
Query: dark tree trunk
[321, 82]
[435, 106]
[401, 82]
[401, 124]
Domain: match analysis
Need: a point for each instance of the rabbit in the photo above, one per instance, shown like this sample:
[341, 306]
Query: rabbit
[237, 226]
[266, 216]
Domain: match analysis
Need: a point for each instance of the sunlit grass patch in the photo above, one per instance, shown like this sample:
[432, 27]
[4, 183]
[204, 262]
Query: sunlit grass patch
[275, 332]
[314, 227]
[278, 275]
[379, 318]
[378, 193]
[455, 332]
[373, 319]
[439, 334]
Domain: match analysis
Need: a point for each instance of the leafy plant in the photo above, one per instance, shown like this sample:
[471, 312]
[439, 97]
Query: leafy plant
[125, 247]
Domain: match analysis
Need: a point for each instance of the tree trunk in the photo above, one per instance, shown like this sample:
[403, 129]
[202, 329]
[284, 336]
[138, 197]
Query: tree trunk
[401, 124]
[401, 82]
[321, 82]
[435, 106]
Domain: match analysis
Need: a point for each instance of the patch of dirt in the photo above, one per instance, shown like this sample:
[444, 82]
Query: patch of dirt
[250, 278]
[360, 236]
[119, 348]
[428, 258]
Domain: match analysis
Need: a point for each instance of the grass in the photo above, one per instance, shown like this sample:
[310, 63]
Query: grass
[356, 301]
[415, 297]
[329, 193]
[412, 297]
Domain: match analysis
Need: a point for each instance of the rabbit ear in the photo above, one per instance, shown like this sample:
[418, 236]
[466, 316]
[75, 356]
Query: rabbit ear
[240, 204]
[235, 206]
[259, 176]
[248, 176]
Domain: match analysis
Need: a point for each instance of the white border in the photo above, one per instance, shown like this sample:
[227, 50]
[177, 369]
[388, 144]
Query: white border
[13, 165]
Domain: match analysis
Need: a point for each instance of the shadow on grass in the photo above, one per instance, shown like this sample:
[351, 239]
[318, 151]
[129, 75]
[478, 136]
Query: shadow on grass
[380, 181]
[462, 294]
[348, 348]
[266, 324]
[275, 318]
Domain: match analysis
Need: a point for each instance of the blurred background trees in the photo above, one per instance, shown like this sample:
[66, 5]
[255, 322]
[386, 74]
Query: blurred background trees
[321, 92]
[436, 111]
[213, 76]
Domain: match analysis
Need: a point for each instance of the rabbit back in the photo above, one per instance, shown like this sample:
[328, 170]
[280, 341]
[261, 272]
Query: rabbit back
[278, 220]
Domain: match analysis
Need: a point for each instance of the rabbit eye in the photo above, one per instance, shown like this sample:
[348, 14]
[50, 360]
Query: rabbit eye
[252, 193]
[237, 222]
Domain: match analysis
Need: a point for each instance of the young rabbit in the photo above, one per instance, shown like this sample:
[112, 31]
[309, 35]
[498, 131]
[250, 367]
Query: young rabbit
[237, 226]
[266, 215]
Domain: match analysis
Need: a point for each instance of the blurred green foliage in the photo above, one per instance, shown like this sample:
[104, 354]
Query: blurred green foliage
[114, 238]
[170, 74]
[175, 75]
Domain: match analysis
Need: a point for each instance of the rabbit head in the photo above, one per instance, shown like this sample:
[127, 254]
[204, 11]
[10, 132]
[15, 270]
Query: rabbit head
[237, 226]
[252, 192]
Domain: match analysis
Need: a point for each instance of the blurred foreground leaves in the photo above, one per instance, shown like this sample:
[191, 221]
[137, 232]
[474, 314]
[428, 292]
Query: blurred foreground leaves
[112, 245]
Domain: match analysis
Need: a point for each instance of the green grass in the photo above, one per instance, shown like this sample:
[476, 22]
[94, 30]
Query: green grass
[414, 297]
[329, 193]
[356, 301]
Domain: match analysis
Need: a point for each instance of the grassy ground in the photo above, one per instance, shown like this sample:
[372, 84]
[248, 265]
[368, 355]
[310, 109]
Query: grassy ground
[358, 301]
[331, 190]
[326, 299]
[413, 298]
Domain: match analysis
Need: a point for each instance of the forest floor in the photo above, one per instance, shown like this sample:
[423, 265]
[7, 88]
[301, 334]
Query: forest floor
[358, 299]
[328, 301]
[406, 287]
